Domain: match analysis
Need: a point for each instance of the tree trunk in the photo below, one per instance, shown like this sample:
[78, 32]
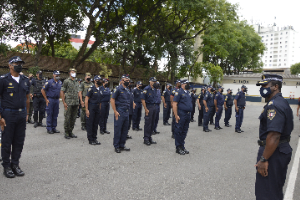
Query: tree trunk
[51, 42]
[38, 6]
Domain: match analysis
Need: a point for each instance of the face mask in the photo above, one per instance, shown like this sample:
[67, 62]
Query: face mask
[139, 87]
[18, 68]
[230, 92]
[155, 85]
[30, 78]
[88, 79]
[57, 78]
[187, 86]
[245, 90]
[106, 85]
[265, 92]
[73, 75]
[40, 76]
[212, 90]
[170, 88]
[126, 83]
[221, 91]
[99, 83]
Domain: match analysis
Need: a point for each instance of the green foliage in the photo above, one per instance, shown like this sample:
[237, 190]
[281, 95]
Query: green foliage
[62, 50]
[33, 70]
[214, 72]
[295, 68]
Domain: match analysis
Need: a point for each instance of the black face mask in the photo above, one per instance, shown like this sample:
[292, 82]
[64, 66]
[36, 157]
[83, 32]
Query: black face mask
[212, 90]
[126, 83]
[230, 92]
[30, 78]
[99, 83]
[139, 87]
[88, 79]
[18, 68]
[130, 86]
[106, 85]
[221, 91]
[40, 76]
[170, 88]
[155, 85]
[187, 86]
[245, 90]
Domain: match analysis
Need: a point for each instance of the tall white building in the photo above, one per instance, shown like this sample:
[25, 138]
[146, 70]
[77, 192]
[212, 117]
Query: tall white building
[282, 47]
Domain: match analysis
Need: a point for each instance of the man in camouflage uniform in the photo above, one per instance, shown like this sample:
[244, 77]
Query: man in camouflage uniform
[69, 96]
[30, 76]
[83, 87]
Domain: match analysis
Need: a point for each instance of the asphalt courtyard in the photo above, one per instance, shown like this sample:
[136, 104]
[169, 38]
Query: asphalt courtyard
[220, 164]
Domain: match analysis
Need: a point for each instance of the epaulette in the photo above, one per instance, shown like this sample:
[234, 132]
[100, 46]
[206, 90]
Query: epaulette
[4, 75]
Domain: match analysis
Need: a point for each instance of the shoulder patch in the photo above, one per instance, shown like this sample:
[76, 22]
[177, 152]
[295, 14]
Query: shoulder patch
[216, 94]
[89, 89]
[145, 91]
[173, 91]
[270, 103]
[271, 114]
[115, 89]
[176, 93]
[46, 83]
[206, 95]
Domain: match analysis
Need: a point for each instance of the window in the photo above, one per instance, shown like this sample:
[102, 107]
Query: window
[285, 55]
[270, 65]
[270, 56]
[266, 61]
[285, 51]
[267, 36]
[279, 55]
[266, 39]
[262, 36]
[280, 46]
[271, 39]
[286, 42]
[262, 40]
[271, 43]
[280, 33]
[281, 37]
[280, 51]
[270, 60]
[271, 34]
[279, 42]
[286, 32]
[279, 59]
[285, 46]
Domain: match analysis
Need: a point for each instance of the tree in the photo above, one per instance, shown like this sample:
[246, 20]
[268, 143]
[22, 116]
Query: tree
[214, 72]
[295, 68]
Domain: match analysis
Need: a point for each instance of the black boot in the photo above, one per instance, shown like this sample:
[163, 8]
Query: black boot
[35, 124]
[40, 120]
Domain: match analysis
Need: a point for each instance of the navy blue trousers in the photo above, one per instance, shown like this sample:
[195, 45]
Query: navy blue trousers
[52, 113]
[121, 128]
[167, 112]
[149, 122]
[13, 137]
[239, 118]
[211, 114]
[200, 116]
[218, 116]
[104, 115]
[228, 113]
[270, 187]
[181, 128]
[92, 122]
[136, 117]
[156, 116]
[206, 117]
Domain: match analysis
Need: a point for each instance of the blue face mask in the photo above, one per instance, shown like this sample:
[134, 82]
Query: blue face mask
[265, 92]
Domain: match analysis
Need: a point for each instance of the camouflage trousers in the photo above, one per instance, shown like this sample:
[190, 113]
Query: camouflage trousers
[70, 118]
[30, 110]
[82, 117]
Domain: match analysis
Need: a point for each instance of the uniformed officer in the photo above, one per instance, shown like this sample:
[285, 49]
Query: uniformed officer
[240, 103]
[157, 105]
[298, 109]
[79, 107]
[213, 112]
[275, 152]
[51, 93]
[69, 96]
[93, 105]
[30, 76]
[137, 110]
[194, 97]
[167, 104]
[83, 87]
[148, 100]
[208, 103]
[228, 103]
[178, 86]
[219, 103]
[14, 92]
[130, 88]
[201, 105]
[182, 105]
[120, 103]
[105, 91]
[39, 103]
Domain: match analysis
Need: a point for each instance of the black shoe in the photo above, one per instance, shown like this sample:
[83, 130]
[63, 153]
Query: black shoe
[241, 130]
[220, 127]
[50, 131]
[147, 142]
[30, 121]
[186, 151]
[77, 116]
[140, 129]
[102, 132]
[35, 124]
[97, 142]
[192, 120]
[107, 132]
[173, 136]
[41, 124]
[167, 124]
[128, 137]
[55, 131]
[206, 130]
[209, 130]
[228, 125]
[180, 151]
[17, 170]
[199, 124]
[156, 132]
[117, 150]
[135, 129]
[153, 133]
[8, 172]
[67, 137]
[73, 136]
[238, 130]
[83, 128]
[92, 142]
[124, 149]
[217, 128]
[153, 142]
[0, 159]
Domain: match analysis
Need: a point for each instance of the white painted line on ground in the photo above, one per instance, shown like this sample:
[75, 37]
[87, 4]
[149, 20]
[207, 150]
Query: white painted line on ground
[293, 175]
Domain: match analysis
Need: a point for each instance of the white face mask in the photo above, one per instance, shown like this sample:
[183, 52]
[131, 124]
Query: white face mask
[73, 75]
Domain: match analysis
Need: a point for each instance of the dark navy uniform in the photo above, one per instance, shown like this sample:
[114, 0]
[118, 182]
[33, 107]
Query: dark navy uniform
[39, 103]
[166, 111]
[194, 97]
[241, 103]
[213, 110]
[122, 102]
[95, 98]
[228, 112]
[208, 97]
[201, 111]
[157, 102]
[130, 108]
[149, 95]
[220, 103]
[52, 89]
[184, 109]
[173, 117]
[137, 111]
[105, 91]
[13, 110]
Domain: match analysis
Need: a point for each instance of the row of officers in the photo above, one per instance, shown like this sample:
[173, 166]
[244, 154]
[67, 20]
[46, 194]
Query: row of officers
[276, 118]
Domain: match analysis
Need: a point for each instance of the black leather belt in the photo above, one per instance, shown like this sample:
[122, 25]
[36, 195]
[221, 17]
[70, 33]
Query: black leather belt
[263, 142]
[229, 106]
[151, 104]
[241, 106]
[37, 95]
[53, 97]
[15, 110]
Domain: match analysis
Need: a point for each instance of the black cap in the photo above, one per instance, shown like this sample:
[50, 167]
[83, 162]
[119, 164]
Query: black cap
[169, 84]
[177, 81]
[97, 78]
[266, 78]
[210, 86]
[55, 72]
[15, 59]
[39, 72]
[185, 81]
[229, 89]
[125, 76]
[152, 79]
[244, 86]
[139, 83]
[221, 87]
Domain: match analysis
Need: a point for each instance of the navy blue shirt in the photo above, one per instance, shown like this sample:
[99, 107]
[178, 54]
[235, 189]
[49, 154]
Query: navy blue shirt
[149, 95]
[137, 94]
[229, 100]
[13, 94]
[158, 98]
[105, 94]
[131, 101]
[201, 97]
[174, 91]
[94, 95]
[52, 88]
[122, 98]
[276, 116]
[208, 97]
[184, 100]
[166, 94]
[220, 99]
[241, 99]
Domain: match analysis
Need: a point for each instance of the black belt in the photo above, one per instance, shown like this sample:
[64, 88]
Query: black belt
[98, 104]
[53, 97]
[37, 95]
[15, 110]
[241, 106]
[263, 142]
[151, 104]
[229, 106]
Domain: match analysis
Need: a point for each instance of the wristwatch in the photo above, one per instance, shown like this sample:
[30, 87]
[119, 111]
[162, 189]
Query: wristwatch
[262, 159]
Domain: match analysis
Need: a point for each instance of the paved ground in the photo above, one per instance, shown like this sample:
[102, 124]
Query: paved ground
[220, 165]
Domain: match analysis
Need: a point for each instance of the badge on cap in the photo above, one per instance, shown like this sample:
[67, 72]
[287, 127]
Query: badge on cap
[271, 114]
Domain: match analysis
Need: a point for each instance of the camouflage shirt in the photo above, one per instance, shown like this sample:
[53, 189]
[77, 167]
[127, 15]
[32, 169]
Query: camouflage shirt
[84, 86]
[70, 87]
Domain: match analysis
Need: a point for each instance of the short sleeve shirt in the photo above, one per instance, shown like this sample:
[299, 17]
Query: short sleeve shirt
[184, 100]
